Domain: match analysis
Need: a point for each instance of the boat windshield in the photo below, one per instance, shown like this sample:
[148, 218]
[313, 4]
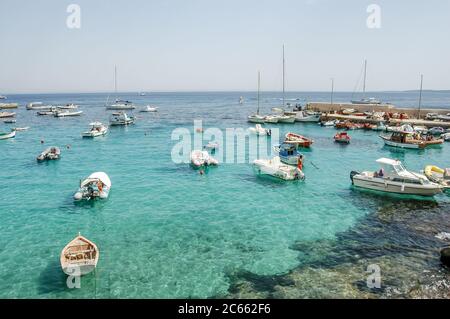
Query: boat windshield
[399, 168]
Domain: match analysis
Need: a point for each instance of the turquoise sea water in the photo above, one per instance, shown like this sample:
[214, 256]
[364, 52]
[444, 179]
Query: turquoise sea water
[166, 231]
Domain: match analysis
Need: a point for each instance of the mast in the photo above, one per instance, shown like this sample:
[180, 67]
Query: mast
[259, 88]
[284, 82]
[332, 90]
[365, 76]
[115, 80]
[420, 94]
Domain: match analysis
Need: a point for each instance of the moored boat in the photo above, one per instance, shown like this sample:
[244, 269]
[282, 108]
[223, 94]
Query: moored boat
[10, 121]
[7, 114]
[305, 116]
[149, 109]
[79, 257]
[271, 119]
[298, 140]
[121, 118]
[256, 118]
[38, 106]
[410, 140]
[438, 175]
[9, 105]
[97, 129]
[274, 167]
[70, 106]
[67, 113]
[4, 136]
[51, 153]
[97, 185]
[342, 137]
[289, 119]
[259, 130]
[201, 159]
[394, 178]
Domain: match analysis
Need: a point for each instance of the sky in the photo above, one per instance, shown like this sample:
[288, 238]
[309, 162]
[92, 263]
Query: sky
[212, 45]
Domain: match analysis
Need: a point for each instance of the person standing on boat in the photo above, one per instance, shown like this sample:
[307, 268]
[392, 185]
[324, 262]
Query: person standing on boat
[300, 163]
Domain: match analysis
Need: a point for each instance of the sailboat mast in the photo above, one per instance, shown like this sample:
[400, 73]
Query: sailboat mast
[365, 76]
[420, 94]
[259, 89]
[284, 82]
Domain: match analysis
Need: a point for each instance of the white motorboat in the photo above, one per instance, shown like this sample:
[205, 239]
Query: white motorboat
[328, 123]
[4, 136]
[70, 106]
[7, 114]
[394, 178]
[119, 104]
[149, 108]
[256, 118]
[38, 106]
[121, 118]
[50, 154]
[259, 130]
[9, 105]
[50, 111]
[348, 111]
[67, 113]
[304, 116]
[274, 167]
[97, 185]
[202, 158]
[79, 257]
[97, 129]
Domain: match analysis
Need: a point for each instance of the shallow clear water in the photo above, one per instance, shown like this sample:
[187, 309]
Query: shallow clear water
[167, 231]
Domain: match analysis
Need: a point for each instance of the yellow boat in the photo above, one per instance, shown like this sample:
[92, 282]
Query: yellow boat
[438, 175]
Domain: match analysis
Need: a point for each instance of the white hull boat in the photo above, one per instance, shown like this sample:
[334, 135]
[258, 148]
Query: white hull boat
[97, 185]
[202, 158]
[6, 115]
[79, 257]
[120, 106]
[9, 105]
[303, 116]
[51, 153]
[271, 119]
[67, 113]
[67, 107]
[38, 106]
[120, 118]
[394, 178]
[97, 129]
[259, 130]
[149, 109]
[255, 118]
[276, 168]
[4, 136]
[286, 119]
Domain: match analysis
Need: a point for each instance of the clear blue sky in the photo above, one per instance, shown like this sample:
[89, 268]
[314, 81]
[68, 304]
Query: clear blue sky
[195, 45]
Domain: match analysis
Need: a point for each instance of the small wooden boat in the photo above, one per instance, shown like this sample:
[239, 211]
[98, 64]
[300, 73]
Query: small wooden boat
[299, 140]
[4, 136]
[403, 139]
[342, 137]
[79, 257]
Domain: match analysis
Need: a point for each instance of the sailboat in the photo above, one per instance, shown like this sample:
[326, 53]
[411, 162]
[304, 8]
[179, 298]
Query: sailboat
[365, 100]
[119, 104]
[256, 118]
[283, 118]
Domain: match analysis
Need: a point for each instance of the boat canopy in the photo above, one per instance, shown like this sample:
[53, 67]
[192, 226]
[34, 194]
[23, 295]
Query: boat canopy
[388, 161]
[95, 177]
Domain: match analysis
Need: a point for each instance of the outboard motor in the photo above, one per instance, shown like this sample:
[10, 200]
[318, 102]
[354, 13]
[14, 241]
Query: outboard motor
[352, 174]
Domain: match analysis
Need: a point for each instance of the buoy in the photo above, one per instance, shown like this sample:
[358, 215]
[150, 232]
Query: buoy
[42, 141]
[445, 256]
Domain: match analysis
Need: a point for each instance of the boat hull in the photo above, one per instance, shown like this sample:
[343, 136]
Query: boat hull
[382, 185]
[7, 136]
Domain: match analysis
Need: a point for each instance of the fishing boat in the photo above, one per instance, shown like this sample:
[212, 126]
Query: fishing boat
[201, 159]
[259, 130]
[365, 100]
[97, 185]
[10, 121]
[79, 257]
[410, 140]
[288, 153]
[298, 140]
[97, 129]
[121, 118]
[4, 136]
[394, 178]
[7, 114]
[273, 119]
[9, 105]
[149, 108]
[50, 154]
[342, 137]
[119, 104]
[67, 113]
[274, 167]
[438, 175]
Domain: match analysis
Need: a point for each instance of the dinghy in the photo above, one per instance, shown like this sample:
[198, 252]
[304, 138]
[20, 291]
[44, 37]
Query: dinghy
[97, 129]
[299, 140]
[202, 158]
[79, 257]
[121, 118]
[394, 178]
[4, 136]
[51, 153]
[438, 175]
[97, 185]
[342, 137]
[259, 130]
[276, 168]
